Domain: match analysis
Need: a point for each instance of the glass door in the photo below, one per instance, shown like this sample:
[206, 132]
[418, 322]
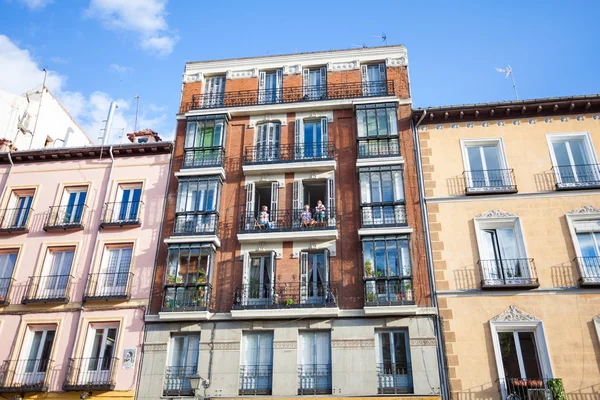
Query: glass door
[315, 361]
[115, 272]
[7, 265]
[55, 275]
[589, 245]
[75, 201]
[22, 211]
[99, 352]
[36, 356]
[502, 259]
[130, 203]
[260, 287]
[485, 167]
[257, 362]
[314, 278]
[395, 367]
[572, 161]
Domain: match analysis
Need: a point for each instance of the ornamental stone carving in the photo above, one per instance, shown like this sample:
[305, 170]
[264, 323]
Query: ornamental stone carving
[423, 342]
[585, 210]
[513, 314]
[288, 344]
[220, 346]
[352, 343]
[396, 62]
[292, 69]
[155, 347]
[197, 77]
[496, 214]
[343, 66]
[248, 73]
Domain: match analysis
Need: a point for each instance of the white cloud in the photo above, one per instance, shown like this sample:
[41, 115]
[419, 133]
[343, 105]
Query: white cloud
[36, 4]
[120, 69]
[145, 18]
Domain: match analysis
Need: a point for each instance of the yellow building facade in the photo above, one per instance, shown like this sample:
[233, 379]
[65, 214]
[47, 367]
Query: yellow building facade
[513, 206]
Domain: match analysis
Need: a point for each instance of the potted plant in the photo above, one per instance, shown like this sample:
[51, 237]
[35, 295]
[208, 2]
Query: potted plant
[408, 289]
[170, 279]
[556, 388]
[371, 297]
[289, 302]
[379, 274]
[369, 269]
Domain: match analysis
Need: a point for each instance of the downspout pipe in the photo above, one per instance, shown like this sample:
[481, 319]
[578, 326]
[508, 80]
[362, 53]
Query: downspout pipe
[444, 388]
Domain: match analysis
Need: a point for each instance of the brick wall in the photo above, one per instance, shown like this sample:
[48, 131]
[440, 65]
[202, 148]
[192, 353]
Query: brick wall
[189, 90]
[399, 75]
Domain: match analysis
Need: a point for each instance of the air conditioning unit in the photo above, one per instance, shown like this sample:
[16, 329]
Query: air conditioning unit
[539, 394]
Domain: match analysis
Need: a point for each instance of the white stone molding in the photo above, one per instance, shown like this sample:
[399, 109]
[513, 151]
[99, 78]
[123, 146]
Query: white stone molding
[220, 346]
[292, 69]
[422, 342]
[287, 344]
[246, 73]
[155, 347]
[513, 314]
[316, 114]
[396, 62]
[496, 214]
[343, 66]
[585, 210]
[256, 119]
[345, 343]
[195, 77]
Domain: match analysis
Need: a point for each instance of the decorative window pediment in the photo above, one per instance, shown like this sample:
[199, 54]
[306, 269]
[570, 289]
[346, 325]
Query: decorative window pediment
[497, 214]
[513, 314]
[585, 210]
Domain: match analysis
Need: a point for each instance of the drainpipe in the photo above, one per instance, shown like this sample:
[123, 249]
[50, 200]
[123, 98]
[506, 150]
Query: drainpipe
[12, 164]
[436, 319]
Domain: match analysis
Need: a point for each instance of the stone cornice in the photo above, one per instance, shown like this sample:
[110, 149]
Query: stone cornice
[513, 314]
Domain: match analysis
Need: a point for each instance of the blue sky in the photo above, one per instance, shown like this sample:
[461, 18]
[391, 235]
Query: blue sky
[103, 50]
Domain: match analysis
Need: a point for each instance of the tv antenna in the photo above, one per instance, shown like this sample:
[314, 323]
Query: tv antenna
[383, 37]
[137, 107]
[508, 71]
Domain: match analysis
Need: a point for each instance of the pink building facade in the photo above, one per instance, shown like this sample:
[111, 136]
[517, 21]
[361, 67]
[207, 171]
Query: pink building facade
[79, 231]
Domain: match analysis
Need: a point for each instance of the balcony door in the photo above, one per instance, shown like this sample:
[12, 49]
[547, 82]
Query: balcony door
[257, 362]
[574, 160]
[374, 80]
[19, 208]
[259, 280]
[72, 205]
[7, 265]
[269, 87]
[55, 274]
[311, 139]
[34, 359]
[99, 351]
[268, 141]
[310, 191]
[314, 83]
[263, 195]
[183, 363]
[485, 166]
[314, 277]
[114, 271]
[395, 364]
[129, 197]
[503, 260]
[589, 247]
[314, 361]
[214, 92]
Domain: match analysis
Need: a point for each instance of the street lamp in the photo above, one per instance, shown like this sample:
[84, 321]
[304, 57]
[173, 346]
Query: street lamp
[195, 381]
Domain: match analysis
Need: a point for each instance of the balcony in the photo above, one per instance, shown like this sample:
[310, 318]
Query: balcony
[288, 153]
[296, 94]
[589, 271]
[121, 214]
[15, 220]
[569, 177]
[182, 297]
[314, 379]
[285, 221]
[86, 374]
[516, 273]
[108, 286]
[177, 381]
[492, 181]
[381, 215]
[205, 157]
[29, 375]
[394, 379]
[284, 295]
[48, 289]
[255, 379]
[533, 389]
[5, 286]
[65, 218]
[196, 223]
[377, 148]
[390, 291]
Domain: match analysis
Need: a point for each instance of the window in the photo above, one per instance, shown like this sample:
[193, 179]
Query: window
[314, 277]
[204, 141]
[18, 210]
[34, 359]
[485, 166]
[72, 206]
[388, 272]
[259, 279]
[214, 91]
[128, 198]
[8, 258]
[585, 231]
[114, 272]
[256, 369]
[197, 205]
[394, 368]
[268, 141]
[312, 139]
[377, 128]
[55, 277]
[314, 363]
[574, 161]
[142, 140]
[269, 87]
[98, 354]
[182, 363]
[374, 80]
[314, 83]
[382, 196]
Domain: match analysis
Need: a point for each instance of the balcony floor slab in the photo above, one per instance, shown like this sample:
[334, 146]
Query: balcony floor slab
[324, 312]
[266, 236]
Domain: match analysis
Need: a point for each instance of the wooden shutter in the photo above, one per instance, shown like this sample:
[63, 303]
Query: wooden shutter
[274, 203]
[331, 200]
[279, 84]
[382, 80]
[364, 79]
[305, 83]
[298, 138]
[303, 276]
[249, 216]
[298, 196]
[262, 79]
[323, 83]
[324, 138]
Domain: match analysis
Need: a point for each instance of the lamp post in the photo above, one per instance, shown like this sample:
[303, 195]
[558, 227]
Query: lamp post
[195, 381]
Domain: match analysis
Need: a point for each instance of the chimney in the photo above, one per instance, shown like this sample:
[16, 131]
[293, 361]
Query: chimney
[144, 136]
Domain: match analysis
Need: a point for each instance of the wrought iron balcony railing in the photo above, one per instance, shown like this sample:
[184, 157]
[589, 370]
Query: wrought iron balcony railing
[125, 213]
[490, 181]
[15, 220]
[314, 379]
[531, 389]
[48, 288]
[65, 217]
[5, 286]
[379, 215]
[108, 285]
[390, 291]
[508, 273]
[394, 379]
[261, 154]
[589, 270]
[177, 381]
[586, 176]
[196, 223]
[285, 295]
[86, 374]
[287, 221]
[27, 375]
[256, 379]
[381, 147]
[296, 94]
[204, 157]
[179, 297]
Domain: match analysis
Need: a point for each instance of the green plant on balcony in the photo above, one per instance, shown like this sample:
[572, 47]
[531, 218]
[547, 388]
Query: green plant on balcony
[370, 297]
[379, 274]
[556, 388]
[369, 269]
[289, 302]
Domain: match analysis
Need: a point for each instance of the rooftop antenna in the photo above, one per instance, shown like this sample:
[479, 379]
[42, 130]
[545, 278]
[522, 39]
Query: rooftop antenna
[508, 71]
[383, 37]
[137, 107]
[122, 134]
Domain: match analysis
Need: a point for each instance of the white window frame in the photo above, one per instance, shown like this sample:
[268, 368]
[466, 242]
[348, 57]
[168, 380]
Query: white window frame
[97, 375]
[108, 282]
[482, 224]
[596, 321]
[589, 146]
[588, 222]
[498, 142]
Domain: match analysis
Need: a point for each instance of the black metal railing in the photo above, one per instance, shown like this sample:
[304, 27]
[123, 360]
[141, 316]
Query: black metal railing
[490, 181]
[15, 219]
[5, 286]
[285, 295]
[122, 213]
[531, 389]
[108, 285]
[65, 217]
[510, 272]
[187, 297]
[589, 270]
[91, 374]
[203, 157]
[577, 176]
[333, 91]
[196, 223]
[314, 379]
[261, 154]
[390, 291]
[28, 375]
[371, 148]
[383, 215]
[394, 379]
[256, 379]
[47, 288]
[287, 221]
[177, 381]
